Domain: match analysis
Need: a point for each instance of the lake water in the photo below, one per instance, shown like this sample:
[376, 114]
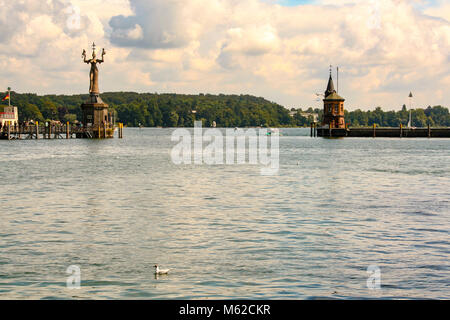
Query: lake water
[115, 208]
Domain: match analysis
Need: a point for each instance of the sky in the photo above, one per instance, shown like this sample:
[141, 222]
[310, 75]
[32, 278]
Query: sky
[277, 49]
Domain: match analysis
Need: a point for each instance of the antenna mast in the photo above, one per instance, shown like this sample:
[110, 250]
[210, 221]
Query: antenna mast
[338, 80]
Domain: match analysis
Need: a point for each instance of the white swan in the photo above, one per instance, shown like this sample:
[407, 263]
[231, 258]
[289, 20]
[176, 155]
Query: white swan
[161, 271]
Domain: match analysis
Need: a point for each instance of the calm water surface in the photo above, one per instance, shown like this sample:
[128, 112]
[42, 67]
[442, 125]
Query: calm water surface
[117, 207]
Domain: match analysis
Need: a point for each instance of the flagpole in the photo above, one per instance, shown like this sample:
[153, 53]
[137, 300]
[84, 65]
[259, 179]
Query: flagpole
[9, 94]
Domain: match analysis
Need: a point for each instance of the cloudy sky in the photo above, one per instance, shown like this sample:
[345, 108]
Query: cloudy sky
[277, 49]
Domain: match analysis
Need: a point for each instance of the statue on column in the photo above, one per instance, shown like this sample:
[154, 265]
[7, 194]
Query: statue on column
[93, 88]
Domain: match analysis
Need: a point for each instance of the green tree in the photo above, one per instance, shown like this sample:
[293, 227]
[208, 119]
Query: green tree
[70, 117]
[49, 110]
[30, 111]
[173, 119]
[419, 118]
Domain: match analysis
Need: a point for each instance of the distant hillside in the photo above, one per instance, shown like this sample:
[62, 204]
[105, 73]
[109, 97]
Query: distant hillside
[166, 110]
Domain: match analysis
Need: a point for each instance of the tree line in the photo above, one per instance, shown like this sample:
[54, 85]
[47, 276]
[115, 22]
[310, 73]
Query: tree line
[179, 110]
[436, 116]
[160, 110]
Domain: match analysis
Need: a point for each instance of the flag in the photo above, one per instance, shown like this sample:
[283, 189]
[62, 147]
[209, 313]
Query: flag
[6, 98]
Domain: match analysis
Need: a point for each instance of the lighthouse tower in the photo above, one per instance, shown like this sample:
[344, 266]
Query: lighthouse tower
[333, 113]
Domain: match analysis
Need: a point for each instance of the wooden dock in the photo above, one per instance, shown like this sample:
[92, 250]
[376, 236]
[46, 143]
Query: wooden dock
[58, 131]
[375, 132]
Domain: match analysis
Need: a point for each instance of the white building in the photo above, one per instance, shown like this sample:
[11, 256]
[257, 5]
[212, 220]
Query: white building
[10, 115]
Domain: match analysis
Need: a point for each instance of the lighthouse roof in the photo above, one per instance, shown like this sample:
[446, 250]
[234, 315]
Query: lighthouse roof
[330, 87]
[330, 93]
[334, 96]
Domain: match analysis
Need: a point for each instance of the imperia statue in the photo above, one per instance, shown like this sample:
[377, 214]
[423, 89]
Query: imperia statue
[93, 88]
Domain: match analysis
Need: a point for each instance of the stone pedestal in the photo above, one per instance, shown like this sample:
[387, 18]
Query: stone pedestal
[95, 112]
[97, 120]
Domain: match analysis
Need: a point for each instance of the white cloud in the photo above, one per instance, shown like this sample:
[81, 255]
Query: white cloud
[163, 24]
[385, 48]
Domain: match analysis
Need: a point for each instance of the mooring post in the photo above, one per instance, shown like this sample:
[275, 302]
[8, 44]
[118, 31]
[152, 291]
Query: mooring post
[49, 131]
[37, 130]
[429, 131]
[329, 130]
[67, 130]
[104, 130]
[401, 130]
[374, 130]
[311, 125]
[315, 130]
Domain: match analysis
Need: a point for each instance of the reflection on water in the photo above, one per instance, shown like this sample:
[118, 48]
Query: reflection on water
[117, 207]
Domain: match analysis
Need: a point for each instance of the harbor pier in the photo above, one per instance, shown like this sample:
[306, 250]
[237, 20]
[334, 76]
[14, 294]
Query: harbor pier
[59, 131]
[98, 121]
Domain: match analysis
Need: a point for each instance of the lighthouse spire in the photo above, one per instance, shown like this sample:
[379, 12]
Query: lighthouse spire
[330, 87]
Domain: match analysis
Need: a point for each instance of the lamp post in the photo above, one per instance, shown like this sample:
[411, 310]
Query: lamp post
[410, 109]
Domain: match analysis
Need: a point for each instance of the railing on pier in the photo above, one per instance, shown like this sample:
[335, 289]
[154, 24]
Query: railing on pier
[58, 131]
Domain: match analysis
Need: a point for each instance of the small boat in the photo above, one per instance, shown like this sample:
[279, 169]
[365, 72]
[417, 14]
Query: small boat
[273, 132]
